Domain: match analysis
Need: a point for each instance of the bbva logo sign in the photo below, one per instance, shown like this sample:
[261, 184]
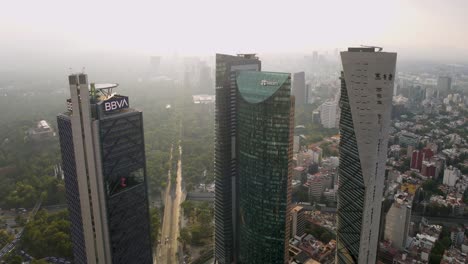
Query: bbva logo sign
[116, 103]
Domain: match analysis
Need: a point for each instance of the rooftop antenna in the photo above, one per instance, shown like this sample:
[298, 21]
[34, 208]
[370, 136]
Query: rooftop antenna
[375, 47]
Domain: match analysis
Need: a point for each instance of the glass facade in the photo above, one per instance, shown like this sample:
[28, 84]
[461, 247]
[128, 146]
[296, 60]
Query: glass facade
[253, 155]
[124, 173]
[103, 156]
[351, 190]
[263, 149]
[225, 167]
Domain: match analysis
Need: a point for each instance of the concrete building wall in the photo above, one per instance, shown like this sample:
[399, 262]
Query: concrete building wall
[397, 225]
[367, 89]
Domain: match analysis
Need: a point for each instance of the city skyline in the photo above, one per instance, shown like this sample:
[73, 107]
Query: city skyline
[209, 138]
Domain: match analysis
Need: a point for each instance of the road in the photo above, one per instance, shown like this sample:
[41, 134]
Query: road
[166, 252]
[9, 247]
[442, 220]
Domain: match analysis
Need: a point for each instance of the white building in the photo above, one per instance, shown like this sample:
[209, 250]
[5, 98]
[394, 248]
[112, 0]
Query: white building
[41, 131]
[451, 175]
[316, 154]
[397, 221]
[328, 114]
[296, 144]
[366, 101]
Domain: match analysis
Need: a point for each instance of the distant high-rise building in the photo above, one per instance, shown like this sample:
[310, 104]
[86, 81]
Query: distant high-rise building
[444, 85]
[397, 222]
[253, 161]
[225, 167]
[451, 176]
[328, 114]
[309, 98]
[103, 156]
[365, 101]
[428, 169]
[317, 184]
[155, 62]
[205, 81]
[416, 95]
[418, 156]
[299, 88]
[298, 221]
[315, 56]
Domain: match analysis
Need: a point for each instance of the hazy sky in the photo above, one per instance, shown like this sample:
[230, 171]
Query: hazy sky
[428, 27]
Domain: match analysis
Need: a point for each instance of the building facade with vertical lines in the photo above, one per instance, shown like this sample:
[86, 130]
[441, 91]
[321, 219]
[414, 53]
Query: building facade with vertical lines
[253, 162]
[103, 157]
[225, 167]
[366, 100]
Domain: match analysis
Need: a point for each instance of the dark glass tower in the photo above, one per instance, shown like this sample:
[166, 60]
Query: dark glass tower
[225, 167]
[253, 155]
[103, 157]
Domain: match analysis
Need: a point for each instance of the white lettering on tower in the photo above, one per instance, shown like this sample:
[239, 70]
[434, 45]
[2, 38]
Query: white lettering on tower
[114, 105]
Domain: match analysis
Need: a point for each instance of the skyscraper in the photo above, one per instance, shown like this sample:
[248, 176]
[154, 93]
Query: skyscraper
[299, 88]
[253, 162]
[366, 100]
[225, 167]
[328, 114]
[444, 85]
[205, 84]
[103, 158]
[155, 63]
[398, 221]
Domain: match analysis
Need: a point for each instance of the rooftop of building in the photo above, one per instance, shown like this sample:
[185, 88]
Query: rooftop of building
[365, 49]
[297, 208]
[256, 86]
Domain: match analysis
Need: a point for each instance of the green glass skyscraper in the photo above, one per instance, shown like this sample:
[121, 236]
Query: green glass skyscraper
[259, 136]
[265, 117]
